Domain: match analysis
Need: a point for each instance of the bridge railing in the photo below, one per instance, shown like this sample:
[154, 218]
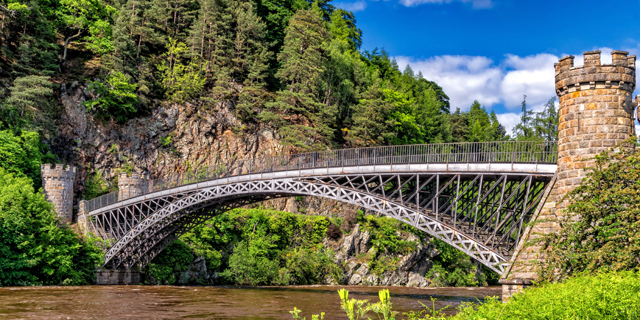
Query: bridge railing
[467, 152]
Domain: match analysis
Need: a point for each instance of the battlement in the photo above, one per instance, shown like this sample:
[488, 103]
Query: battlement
[57, 171]
[132, 186]
[619, 74]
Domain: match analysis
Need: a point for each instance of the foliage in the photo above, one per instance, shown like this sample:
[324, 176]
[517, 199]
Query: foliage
[30, 103]
[116, 99]
[295, 313]
[600, 229]
[175, 258]
[452, 267]
[537, 126]
[35, 249]
[95, 186]
[22, 154]
[264, 247]
[182, 81]
[598, 296]
[303, 121]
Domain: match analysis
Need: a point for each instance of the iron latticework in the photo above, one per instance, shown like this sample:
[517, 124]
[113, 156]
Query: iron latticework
[478, 207]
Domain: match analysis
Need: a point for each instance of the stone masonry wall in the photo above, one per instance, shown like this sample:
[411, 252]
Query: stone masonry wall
[132, 186]
[57, 182]
[596, 113]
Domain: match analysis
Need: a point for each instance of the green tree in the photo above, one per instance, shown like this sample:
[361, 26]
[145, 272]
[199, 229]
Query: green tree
[546, 121]
[459, 123]
[372, 123]
[180, 80]
[524, 130]
[33, 249]
[30, 102]
[91, 18]
[303, 121]
[21, 154]
[115, 98]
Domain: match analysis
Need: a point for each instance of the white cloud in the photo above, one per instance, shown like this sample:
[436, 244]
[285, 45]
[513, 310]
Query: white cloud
[352, 6]
[476, 4]
[508, 121]
[468, 78]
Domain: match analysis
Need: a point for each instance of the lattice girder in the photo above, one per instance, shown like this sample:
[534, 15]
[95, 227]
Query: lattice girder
[480, 214]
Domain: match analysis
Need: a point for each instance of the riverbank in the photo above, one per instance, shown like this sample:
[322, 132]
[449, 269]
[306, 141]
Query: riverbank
[218, 302]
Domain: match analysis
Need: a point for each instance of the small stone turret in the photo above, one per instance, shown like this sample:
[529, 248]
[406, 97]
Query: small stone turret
[57, 182]
[596, 111]
[132, 186]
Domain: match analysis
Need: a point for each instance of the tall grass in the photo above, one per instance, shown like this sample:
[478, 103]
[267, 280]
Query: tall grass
[599, 296]
[606, 296]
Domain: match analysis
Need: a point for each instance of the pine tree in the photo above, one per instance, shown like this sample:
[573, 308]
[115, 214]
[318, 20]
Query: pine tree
[304, 122]
[372, 123]
[250, 60]
[459, 124]
[524, 129]
[546, 121]
[211, 39]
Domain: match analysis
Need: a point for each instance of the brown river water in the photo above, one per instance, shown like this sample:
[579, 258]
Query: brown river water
[170, 302]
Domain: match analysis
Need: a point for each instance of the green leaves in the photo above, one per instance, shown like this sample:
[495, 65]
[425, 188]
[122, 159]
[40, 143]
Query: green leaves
[116, 99]
[33, 249]
[181, 81]
[20, 154]
[601, 226]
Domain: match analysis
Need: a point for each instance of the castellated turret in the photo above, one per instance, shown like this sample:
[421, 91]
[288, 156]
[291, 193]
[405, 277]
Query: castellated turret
[596, 112]
[132, 186]
[57, 182]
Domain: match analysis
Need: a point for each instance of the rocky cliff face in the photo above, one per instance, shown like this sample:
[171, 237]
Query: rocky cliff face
[201, 136]
[353, 252]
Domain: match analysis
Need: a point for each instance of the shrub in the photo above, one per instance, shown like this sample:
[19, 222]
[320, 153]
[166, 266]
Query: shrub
[21, 154]
[608, 296]
[599, 296]
[601, 227]
[175, 258]
[116, 97]
[334, 232]
[34, 250]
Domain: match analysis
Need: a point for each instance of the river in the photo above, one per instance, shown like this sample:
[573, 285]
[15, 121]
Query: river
[171, 302]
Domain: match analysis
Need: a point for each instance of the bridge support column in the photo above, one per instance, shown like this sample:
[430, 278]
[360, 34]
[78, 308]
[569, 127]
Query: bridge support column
[83, 223]
[118, 277]
[595, 114]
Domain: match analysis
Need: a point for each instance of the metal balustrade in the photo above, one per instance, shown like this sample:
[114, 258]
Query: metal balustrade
[467, 152]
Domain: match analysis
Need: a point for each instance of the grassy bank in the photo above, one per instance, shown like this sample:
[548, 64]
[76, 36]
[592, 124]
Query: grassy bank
[599, 296]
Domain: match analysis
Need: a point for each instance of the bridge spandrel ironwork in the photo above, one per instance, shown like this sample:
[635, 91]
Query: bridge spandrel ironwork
[475, 196]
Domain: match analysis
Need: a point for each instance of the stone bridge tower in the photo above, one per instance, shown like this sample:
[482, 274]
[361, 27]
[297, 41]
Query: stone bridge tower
[596, 113]
[57, 183]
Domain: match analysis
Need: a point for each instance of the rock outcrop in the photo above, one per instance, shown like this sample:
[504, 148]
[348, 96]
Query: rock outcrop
[355, 252]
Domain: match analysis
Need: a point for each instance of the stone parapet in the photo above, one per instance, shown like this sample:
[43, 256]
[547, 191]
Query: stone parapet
[57, 183]
[620, 74]
[133, 185]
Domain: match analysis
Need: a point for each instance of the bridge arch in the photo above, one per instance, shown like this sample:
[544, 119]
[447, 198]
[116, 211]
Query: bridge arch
[479, 208]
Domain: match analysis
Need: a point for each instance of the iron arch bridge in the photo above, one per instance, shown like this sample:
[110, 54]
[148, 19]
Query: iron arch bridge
[477, 197]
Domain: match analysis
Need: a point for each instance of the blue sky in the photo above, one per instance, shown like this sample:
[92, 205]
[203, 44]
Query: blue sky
[495, 50]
